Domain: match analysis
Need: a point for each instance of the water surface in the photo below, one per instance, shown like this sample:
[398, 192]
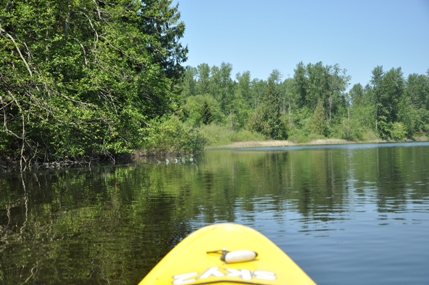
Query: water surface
[347, 214]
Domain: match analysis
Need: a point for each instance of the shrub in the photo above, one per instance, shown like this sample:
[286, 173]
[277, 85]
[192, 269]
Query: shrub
[216, 135]
[398, 131]
[170, 135]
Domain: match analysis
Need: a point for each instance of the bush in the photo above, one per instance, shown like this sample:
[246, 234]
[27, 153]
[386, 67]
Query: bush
[398, 131]
[216, 135]
[170, 135]
[246, 135]
[298, 137]
[315, 137]
[369, 135]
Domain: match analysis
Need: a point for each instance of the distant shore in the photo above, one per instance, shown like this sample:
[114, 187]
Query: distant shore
[270, 143]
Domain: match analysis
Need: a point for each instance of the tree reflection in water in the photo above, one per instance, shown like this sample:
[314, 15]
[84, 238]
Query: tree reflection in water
[113, 224]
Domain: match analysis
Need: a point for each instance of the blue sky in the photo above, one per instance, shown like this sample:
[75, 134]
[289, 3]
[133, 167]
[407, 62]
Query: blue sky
[260, 36]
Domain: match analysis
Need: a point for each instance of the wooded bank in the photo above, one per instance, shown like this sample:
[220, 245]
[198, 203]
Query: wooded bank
[88, 80]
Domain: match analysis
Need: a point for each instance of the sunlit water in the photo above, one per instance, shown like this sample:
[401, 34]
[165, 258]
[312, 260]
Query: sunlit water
[347, 214]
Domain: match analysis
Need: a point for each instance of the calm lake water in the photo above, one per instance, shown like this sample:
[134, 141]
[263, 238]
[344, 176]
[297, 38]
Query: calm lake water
[347, 214]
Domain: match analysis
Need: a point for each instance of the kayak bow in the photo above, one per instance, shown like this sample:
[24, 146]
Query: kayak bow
[226, 254]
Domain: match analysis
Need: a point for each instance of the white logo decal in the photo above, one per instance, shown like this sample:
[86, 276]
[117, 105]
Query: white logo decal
[245, 274]
[266, 275]
[180, 279]
[214, 271]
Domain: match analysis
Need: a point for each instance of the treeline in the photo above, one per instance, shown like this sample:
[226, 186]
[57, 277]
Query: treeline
[84, 79]
[314, 103]
[88, 79]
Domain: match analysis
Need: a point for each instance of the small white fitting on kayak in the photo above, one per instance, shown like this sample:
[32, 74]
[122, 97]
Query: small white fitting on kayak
[238, 256]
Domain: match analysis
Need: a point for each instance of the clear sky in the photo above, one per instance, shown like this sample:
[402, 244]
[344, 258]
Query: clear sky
[260, 36]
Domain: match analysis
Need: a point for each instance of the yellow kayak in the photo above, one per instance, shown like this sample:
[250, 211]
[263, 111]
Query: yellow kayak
[226, 254]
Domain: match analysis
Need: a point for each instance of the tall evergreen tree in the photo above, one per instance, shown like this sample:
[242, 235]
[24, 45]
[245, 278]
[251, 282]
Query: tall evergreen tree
[301, 85]
[356, 94]
[267, 117]
[376, 94]
[387, 89]
[318, 120]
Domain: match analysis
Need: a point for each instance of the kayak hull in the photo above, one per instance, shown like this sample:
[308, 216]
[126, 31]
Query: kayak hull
[222, 254]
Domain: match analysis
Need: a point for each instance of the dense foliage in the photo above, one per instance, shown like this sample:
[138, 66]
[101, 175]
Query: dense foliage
[314, 103]
[84, 78]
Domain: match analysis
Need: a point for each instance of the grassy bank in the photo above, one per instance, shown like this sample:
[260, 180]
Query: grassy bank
[273, 143]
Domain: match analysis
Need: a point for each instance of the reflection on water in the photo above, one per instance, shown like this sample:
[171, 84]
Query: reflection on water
[348, 214]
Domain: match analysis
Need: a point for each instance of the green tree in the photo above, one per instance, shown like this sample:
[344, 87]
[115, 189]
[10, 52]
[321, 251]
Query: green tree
[189, 83]
[202, 110]
[318, 120]
[290, 102]
[301, 85]
[317, 84]
[414, 107]
[356, 95]
[338, 81]
[243, 88]
[327, 83]
[360, 123]
[388, 89]
[267, 117]
[222, 86]
[398, 131]
[83, 78]
[242, 101]
[376, 95]
[203, 79]
[257, 90]
[160, 22]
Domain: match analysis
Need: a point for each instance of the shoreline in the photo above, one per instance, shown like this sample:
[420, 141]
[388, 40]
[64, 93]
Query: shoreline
[149, 157]
[273, 143]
